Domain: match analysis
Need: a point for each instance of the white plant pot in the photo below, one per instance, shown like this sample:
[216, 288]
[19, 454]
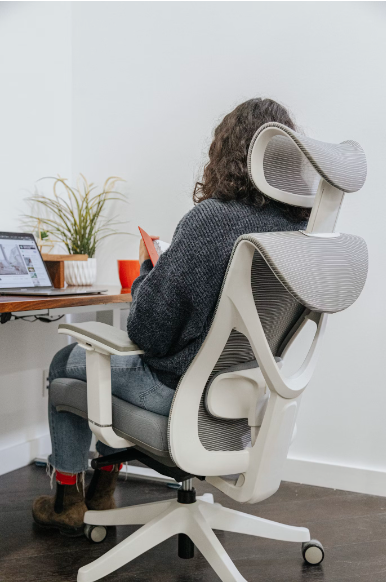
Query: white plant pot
[80, 272]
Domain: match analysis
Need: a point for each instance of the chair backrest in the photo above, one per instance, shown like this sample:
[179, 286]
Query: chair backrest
[274, 283]
[279, 314]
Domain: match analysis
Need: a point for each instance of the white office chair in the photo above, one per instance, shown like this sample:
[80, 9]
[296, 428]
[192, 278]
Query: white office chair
[233, 416]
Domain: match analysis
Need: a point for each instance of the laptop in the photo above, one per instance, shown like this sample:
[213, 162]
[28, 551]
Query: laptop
[23, 272]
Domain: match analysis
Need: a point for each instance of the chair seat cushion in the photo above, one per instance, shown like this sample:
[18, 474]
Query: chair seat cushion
[142, 427]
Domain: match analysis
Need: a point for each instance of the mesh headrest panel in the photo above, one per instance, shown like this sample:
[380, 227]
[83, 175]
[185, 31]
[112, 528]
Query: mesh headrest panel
[341, 165]
[286, 168]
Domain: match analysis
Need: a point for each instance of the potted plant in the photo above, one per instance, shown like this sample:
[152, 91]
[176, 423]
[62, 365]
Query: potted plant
[75, 219]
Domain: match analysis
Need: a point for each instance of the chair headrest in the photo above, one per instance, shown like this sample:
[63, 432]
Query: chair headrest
[287, 166]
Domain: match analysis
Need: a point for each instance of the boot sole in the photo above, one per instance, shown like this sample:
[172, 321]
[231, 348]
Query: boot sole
[71, 532]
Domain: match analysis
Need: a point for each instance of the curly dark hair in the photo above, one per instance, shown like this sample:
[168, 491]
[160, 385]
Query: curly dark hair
[226, 176]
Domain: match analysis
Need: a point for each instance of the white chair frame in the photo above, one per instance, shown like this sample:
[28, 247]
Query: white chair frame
[260, 466]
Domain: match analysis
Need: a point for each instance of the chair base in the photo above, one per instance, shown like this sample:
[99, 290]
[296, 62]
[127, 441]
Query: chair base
[164, 519]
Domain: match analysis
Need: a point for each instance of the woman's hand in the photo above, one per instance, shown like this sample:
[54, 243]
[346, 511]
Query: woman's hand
[143, 254]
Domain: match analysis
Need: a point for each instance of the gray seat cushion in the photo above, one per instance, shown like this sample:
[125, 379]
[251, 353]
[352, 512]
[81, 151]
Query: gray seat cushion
[145, 429]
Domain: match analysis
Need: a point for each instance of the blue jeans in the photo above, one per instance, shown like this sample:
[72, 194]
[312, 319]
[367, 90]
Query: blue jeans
[131, 379]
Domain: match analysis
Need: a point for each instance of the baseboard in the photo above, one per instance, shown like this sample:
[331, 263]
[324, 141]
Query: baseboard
[23, 454]
[356, 479]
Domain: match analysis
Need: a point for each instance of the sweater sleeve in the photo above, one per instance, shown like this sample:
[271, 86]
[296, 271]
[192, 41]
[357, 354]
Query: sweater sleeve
[172, 301]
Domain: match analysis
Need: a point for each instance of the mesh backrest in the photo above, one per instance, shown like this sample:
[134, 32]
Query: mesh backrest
[279, 312]
[286, 168]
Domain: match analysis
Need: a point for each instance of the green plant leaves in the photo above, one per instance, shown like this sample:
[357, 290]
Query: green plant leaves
[75, 217]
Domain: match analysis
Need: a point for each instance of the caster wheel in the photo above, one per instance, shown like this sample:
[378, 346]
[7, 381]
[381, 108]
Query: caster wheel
[95, 533]
[313, 552]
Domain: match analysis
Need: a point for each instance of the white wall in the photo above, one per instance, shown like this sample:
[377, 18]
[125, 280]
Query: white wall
[35, 141]
[35, 61]
[151, 80]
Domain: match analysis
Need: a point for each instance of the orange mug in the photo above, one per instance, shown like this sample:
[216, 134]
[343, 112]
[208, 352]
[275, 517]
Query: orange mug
[128, 271]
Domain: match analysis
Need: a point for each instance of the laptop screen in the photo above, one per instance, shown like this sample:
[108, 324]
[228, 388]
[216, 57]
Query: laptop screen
[21, 265]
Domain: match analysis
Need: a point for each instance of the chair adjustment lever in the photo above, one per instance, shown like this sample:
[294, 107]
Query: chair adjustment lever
[114, 458]
[133, 454]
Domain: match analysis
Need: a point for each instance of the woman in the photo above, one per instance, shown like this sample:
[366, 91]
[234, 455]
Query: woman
[173, 304]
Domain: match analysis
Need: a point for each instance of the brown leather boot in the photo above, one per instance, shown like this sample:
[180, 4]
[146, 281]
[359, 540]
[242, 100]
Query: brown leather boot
[64, 511]
[100, 491]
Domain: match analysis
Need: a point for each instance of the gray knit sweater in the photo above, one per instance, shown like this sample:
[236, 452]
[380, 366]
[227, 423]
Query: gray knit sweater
[173, 303]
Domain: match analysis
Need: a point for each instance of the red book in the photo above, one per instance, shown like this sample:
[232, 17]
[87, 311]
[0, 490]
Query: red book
[155, 248]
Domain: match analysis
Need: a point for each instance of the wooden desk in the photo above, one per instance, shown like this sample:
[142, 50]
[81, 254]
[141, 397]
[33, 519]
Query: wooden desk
[107, 305]
[24, 303]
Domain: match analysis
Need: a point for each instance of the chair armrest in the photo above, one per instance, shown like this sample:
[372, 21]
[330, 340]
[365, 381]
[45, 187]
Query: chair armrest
[101, 337]
[100, 342]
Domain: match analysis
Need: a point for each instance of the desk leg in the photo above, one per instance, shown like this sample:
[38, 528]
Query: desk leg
[111, 317]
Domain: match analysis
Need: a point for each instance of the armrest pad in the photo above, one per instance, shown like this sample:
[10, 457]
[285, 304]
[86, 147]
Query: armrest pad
[101, 335]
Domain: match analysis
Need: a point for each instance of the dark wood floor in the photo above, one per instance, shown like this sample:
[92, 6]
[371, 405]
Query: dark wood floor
[352, 528]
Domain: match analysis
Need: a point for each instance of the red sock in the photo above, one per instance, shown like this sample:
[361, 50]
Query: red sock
[63, 479]
[110, 468]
